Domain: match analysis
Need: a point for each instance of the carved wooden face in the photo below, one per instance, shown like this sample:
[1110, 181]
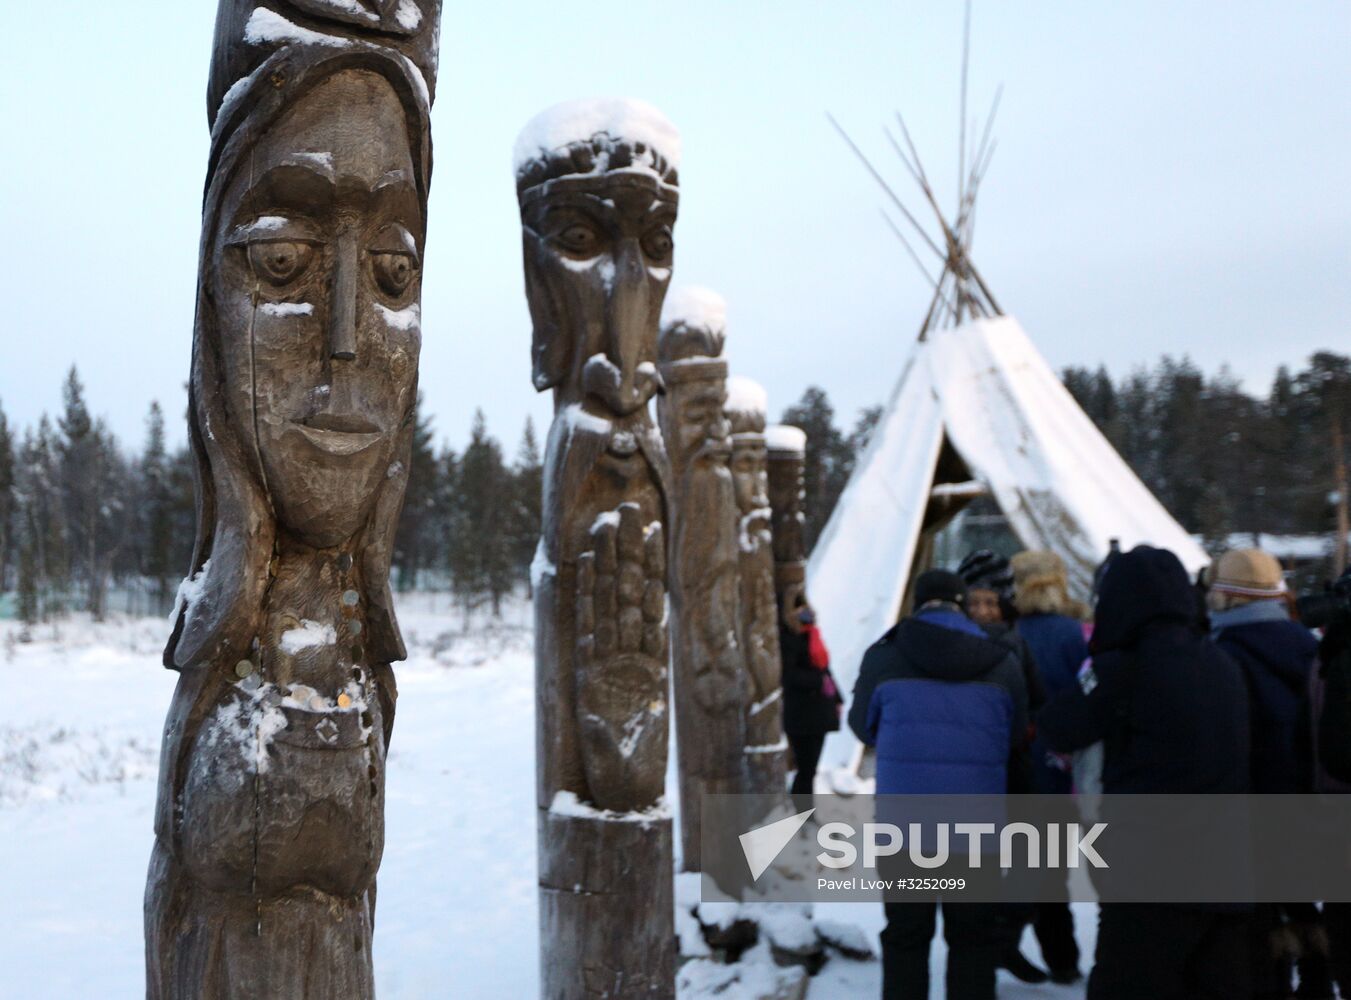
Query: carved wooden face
[750, 475]
[316, 287]
[701, 425]
[598, 254]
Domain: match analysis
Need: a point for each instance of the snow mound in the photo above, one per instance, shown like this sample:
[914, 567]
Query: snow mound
[581, 120]
[745, 395]
[695, 307]
[57, 763]
[782, 437]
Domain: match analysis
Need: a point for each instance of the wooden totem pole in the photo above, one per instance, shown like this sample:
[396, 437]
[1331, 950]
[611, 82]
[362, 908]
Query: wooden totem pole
[766, 749]
[270, 822]
[598, 192]
[787, 459]
[709, 683]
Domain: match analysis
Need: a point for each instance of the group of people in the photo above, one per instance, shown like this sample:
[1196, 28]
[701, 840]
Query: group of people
[999, 681]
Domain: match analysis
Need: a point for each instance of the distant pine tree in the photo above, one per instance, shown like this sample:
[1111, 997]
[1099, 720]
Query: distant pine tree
[527, 494]
[830, 456]
[30, 607]
[415, 539]
[182, 512]
[481, 562]
[8, 502]
[156, 514]
[42, 518]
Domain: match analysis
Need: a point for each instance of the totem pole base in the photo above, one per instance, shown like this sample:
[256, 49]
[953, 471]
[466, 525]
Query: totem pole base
[606, 908]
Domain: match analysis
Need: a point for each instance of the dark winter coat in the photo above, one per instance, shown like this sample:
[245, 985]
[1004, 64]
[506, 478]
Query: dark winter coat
[1021, 777]
[1169, 706]
[1059, 649]
[807, 709]
[944, 704]
[1333, 718]
[1277, 658]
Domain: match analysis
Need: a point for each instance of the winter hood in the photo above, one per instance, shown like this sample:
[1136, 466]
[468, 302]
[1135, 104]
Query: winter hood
[946, 654]
[1144, 587]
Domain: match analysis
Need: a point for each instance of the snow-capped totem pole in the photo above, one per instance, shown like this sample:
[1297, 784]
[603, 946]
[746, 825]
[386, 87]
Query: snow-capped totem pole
[766, 748]
[270, 822]
[709, 683]
[597, 186]
[787, 462]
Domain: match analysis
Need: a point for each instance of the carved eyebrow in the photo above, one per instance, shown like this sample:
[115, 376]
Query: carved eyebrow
[394, 193]
[293, 185]
[319, 163]
[276, 227]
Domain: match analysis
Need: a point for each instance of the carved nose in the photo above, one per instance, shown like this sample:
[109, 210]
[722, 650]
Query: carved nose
[627, 332]
[342, 306]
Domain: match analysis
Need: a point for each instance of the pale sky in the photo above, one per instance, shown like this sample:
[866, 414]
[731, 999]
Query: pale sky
[1170, 177]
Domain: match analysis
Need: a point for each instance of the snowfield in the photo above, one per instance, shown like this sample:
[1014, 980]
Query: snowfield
[456, 918]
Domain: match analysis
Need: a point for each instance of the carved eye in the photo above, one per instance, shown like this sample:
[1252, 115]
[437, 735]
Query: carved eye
[393, 272]
[579, 239]
[280, 262]
[658, 244]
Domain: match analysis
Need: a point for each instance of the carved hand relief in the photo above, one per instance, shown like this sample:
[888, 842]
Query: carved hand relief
[598, 204]
[621, 660]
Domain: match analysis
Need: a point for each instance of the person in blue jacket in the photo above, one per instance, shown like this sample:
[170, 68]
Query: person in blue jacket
[946, 708]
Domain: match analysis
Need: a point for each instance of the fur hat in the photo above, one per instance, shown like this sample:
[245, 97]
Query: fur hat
[1241, 576]
[1041, 585]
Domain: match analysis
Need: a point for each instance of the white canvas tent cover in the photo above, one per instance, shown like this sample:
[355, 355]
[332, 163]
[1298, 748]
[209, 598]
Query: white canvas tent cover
[986, 389]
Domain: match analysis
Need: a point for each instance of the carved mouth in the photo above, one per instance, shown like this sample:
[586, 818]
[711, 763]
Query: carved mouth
[718, 452]
[340, 433]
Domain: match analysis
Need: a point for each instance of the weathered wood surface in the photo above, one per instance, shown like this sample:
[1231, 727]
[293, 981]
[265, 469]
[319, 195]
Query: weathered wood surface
[710, 682]
[270, 822]
[766, 748]
[786, 467]
[597, 214]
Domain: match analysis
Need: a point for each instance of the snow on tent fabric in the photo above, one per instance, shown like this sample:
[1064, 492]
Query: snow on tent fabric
[985, 389]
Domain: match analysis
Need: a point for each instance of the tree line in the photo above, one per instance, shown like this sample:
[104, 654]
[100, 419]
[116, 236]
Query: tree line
[1223, 460]
[84, 519]
[81, 516]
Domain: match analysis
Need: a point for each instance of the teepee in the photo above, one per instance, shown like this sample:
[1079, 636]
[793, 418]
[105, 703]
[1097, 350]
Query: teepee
[977, 412]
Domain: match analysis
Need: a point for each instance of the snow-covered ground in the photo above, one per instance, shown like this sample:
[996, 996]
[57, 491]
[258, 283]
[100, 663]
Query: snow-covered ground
[78, 752]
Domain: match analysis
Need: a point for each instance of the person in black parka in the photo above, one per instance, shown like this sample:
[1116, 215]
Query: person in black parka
[1172, 712]
[811, 701]
[1250, 620]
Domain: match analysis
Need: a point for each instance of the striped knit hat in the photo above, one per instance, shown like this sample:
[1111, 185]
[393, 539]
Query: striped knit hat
[1249, 573]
